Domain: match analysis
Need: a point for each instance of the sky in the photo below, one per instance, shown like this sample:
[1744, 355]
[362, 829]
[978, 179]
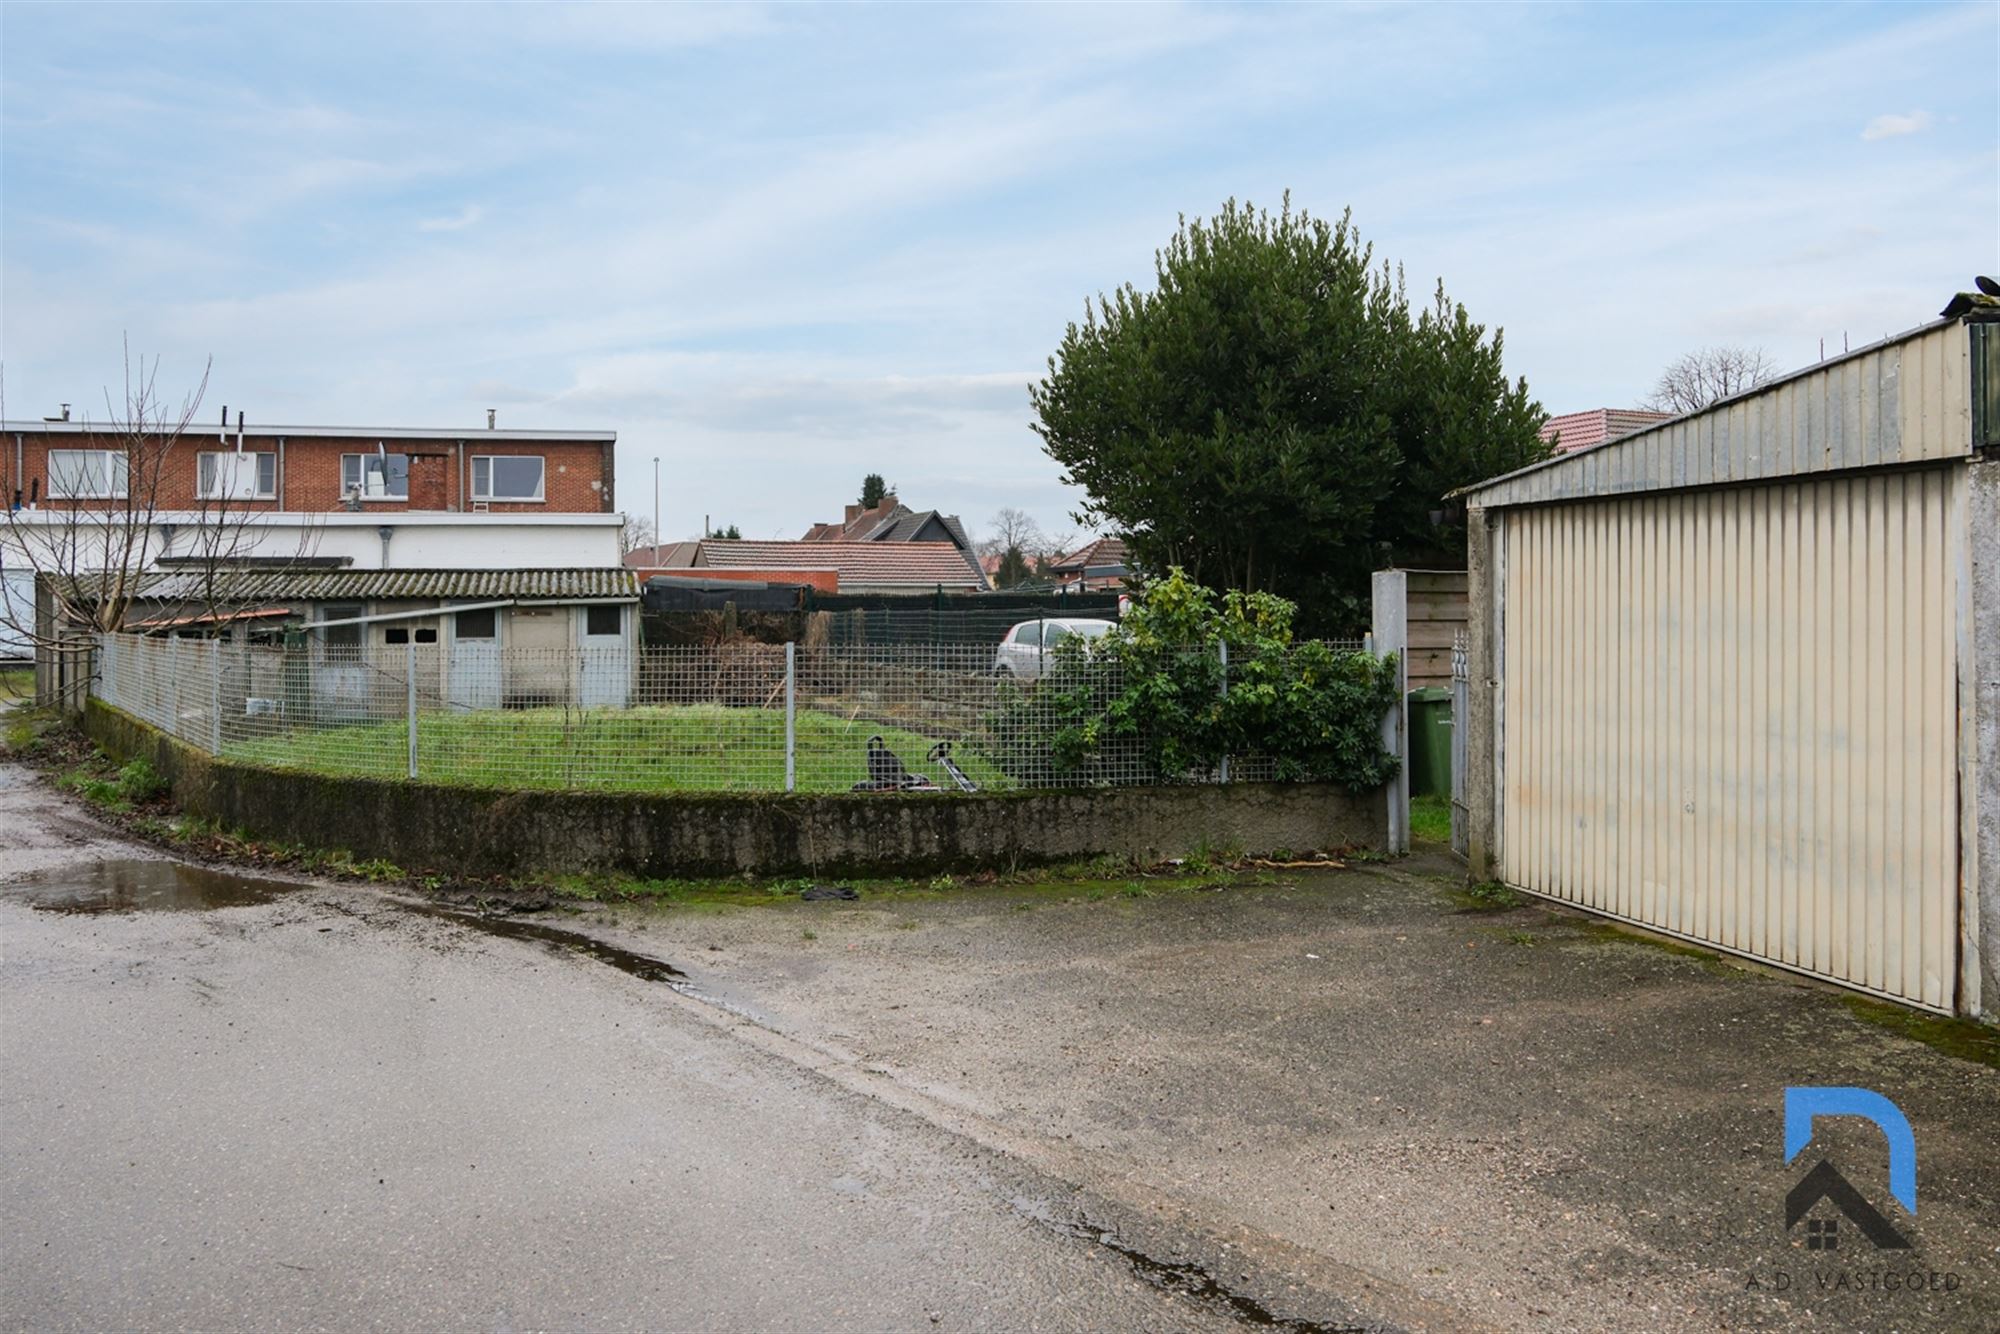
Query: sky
[777, 249]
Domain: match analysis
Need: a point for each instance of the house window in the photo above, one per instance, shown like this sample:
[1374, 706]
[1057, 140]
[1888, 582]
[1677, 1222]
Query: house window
[507, 476]
[341, 641]
[82, 474]
[477, 624]
[603, 620]
[403, 634]
[231, 476]
[375, 476]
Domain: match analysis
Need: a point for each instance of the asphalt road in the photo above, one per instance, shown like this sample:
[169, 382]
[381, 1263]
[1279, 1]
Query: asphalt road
[325, 1110]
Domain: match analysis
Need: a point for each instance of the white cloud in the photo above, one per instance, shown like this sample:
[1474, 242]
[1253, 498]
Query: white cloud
[782, 248]
[457, 222]
[1894, 126]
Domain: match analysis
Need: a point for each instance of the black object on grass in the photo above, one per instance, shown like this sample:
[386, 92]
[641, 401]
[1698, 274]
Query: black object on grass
[887, 774]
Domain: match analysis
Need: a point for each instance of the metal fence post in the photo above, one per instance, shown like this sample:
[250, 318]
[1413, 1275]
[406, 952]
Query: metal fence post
[791, 716]
[180, 675]
[1223, 693]
[215, 696]
[410, 682]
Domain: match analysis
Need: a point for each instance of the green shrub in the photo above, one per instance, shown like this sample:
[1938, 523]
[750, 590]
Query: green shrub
[1150, 694]
[139, 781]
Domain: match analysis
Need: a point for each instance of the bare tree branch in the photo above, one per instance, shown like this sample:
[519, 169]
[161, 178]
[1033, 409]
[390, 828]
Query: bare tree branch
[95, 527]
[637, 532]
[1701, 379]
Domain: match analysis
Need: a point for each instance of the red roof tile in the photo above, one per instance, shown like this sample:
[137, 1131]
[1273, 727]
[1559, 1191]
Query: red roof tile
[876, 564]
[1580, 430]
[1104, 551]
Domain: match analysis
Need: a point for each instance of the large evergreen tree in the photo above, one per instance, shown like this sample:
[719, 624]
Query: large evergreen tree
[1273, 417]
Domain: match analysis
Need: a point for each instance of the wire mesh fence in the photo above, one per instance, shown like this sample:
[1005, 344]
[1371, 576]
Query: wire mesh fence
[743, 717]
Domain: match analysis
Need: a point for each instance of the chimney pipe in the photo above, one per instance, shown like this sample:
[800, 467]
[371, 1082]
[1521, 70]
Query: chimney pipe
[491, 415]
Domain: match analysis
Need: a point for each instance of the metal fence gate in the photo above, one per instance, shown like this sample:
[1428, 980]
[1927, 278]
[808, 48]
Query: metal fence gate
[1731, 715]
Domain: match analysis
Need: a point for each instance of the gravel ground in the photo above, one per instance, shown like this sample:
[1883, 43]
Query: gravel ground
[1516, 1118]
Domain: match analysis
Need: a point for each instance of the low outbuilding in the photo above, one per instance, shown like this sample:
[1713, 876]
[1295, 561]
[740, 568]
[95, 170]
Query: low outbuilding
[1735, 677]
[479, 639]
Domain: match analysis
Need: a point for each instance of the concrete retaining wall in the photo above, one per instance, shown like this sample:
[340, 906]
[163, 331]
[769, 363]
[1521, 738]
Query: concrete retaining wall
[424, 827]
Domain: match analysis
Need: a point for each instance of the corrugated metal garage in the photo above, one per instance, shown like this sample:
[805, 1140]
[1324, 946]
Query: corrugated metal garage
[1730, 667]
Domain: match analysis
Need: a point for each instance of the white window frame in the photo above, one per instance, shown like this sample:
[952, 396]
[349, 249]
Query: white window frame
[361, 476]
[117, 475]
[211, 491]
[541, 483]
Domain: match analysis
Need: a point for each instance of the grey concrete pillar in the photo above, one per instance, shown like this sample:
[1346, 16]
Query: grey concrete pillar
[1979, 750]
[1482, 731]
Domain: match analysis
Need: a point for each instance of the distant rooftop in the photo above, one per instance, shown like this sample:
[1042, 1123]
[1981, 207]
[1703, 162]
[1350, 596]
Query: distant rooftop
[916, 564]
[1594, 426]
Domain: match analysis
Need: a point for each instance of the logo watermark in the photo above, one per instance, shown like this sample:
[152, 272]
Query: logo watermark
[1834, 1220]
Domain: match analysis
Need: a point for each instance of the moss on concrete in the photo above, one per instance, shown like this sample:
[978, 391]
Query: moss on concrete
[1967, 1039]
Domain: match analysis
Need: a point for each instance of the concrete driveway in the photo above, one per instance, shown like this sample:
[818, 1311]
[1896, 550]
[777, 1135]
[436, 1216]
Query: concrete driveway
[1518, 1119]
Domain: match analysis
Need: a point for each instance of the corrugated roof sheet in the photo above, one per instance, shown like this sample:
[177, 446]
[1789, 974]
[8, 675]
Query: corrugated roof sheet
[370, 585]
[917, 564]
[1904, 400]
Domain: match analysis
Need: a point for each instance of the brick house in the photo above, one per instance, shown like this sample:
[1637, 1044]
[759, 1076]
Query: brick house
[350, 496]
[75, 465]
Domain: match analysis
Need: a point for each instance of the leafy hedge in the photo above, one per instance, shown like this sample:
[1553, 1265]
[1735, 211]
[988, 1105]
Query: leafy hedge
[1150, 693]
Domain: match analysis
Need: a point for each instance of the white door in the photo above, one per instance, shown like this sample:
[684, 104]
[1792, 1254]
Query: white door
[538, 657]
[474, 680]
[1731, 715]
[604, 666]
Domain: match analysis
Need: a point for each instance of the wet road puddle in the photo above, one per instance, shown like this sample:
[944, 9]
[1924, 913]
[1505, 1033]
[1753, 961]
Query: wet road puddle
[135, 886]
[141, 886]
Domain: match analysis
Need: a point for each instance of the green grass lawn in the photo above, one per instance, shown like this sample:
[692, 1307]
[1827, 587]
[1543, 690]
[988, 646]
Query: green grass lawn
[1430, 819]
[694, 748]
[16, 683]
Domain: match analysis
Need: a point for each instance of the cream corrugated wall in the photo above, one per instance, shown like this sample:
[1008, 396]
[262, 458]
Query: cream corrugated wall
[1730, 714]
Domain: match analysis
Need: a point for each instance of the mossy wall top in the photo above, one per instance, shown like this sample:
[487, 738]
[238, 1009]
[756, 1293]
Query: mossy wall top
[430, 827]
